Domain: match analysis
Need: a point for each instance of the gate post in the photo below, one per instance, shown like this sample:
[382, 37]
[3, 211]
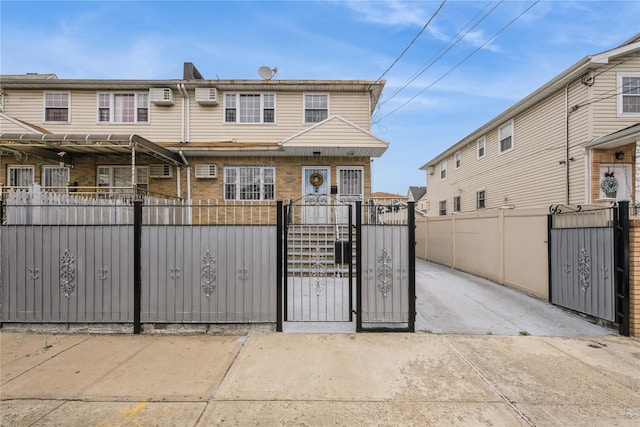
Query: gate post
[411, 213]
[358, 266]
[137, 265]
[281, 263]
[622, 267]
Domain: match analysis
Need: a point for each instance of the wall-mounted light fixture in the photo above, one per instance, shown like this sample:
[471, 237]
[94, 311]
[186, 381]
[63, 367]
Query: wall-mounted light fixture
[316, 153]
[619, 155]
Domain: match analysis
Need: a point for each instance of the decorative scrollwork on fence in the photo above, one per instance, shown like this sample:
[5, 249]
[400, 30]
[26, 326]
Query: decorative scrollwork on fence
[208, 274]
[604, 273]
[556, 209]
[67, 273]
[102, 273]
[385, 273]
[243, 274]
[174, 273]
[584, 270]
[317, 273]
[33, 273]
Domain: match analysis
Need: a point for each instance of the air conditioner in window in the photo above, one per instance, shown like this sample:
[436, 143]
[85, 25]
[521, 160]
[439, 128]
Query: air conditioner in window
[431, 170]
[160, 171]
[207, 95]
[161, 96]
[206, 171]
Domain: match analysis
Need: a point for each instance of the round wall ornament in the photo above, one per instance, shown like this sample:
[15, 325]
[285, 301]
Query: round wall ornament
[316, 179]
[609, 184]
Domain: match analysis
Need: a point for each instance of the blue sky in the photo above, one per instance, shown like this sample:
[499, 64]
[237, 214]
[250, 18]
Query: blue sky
[440, 102]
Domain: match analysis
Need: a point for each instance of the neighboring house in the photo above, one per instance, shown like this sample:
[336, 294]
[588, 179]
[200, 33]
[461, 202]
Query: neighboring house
[418, 195]
[556, 146]
[192, 139]
[382, 198]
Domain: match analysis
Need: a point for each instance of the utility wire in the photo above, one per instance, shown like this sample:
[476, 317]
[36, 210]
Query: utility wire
[436, 59]
[410, 44]
[463, 60]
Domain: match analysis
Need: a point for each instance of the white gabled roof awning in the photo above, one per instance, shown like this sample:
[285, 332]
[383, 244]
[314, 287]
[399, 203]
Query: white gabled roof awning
[334, 137]
[628, 135]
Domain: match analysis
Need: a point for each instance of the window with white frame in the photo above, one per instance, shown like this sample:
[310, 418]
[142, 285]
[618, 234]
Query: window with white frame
[316, 108]
[481, 147]
[55, 176]
[456, 203]
[457, 159]
[350, 181]
[442, 208]
[249, 183]
[249, 108]
[56, 106]
[629, 96]
[505, 136]
[443, 169]
[481, 199]
[20, 175]
[123, 107]
[119, 177]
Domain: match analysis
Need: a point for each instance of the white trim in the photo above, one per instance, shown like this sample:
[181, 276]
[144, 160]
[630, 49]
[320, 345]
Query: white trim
[237, 108]
[619, 76]
[112, 107]
[513, 138]
[478, 198]
[342, 168]
[443, 163]
[453, 208]
[484, 147]
[304, 107]
[44, 106]
[20, 167]
[53, 167]
[445, 207]
[457, 160]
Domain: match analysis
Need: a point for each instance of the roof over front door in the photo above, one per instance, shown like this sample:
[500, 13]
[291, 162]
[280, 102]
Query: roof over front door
[334, 136]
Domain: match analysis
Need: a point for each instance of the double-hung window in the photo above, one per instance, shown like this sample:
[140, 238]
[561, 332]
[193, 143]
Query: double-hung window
[481, 147]
[456, 203]
[629, 97]
[458, 159]
[249, 108]
[123, 107]
[443, 169]
[20, 175]
[55, 176]
[442, 208]
[481, 199]
[249, 183]
[56, 107]
[505, 135]
[316, 108]
[118, 178]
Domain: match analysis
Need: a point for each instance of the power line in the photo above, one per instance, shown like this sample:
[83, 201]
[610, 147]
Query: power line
[436, 59]
[410, 44]
[463, 60]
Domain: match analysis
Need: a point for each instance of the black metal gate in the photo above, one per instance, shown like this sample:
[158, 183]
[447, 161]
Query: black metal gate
[347, 266]
[589, 261]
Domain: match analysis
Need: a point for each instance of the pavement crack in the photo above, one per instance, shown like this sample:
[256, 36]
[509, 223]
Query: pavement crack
[486, 380]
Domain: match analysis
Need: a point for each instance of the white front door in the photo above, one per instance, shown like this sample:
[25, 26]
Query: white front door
[315, 188]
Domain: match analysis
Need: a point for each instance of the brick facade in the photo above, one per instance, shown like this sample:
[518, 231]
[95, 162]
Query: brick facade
[609, 157]
[634, 277]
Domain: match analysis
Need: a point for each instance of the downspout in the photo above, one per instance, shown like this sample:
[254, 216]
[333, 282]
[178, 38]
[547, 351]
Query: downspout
[184, 159]
[182, 121]
[186, 124]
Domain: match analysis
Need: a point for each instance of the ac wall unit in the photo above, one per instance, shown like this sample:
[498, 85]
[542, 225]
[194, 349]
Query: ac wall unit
[207, 95]
[161, 96]
[431, 170]
[206, 171]
[160, 171]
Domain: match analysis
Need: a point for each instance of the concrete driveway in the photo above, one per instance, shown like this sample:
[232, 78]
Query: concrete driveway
[452, 302]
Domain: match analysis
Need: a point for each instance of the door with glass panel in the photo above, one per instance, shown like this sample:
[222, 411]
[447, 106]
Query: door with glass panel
[315, 200]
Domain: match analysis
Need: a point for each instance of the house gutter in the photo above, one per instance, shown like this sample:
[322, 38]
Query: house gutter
[184, 159]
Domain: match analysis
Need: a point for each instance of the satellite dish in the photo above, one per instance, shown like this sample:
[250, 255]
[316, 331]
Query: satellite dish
[266, 72]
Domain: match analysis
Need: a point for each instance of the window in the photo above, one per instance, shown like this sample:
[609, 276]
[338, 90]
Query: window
[120, 177]
[629, 97]
[350, 182]
[54, 176]
[249, 183]
[123, 107]
[480, 199]
[443, 169]
[56, 107]
[456, 203]
[316, 108]
[442, 208]
[249, 108]
[20, 176]
[457, 159]
[505, 135]
[481, 143]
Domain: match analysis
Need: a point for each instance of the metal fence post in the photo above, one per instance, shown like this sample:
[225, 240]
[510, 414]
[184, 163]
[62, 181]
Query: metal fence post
[411, 213]
[358, 266]
[137, 265]
[622, 268]
[280, 261]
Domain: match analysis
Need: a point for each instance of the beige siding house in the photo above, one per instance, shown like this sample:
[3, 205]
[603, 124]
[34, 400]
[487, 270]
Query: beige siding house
[191, 138]
[554, 146]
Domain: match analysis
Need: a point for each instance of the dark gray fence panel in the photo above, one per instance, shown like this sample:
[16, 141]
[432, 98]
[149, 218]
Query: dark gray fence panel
[582, 270]
[70, 274]
[208, 274]
[385, 274]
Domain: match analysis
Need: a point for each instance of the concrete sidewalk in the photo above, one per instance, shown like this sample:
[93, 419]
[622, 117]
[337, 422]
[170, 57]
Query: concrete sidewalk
[318, 379]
